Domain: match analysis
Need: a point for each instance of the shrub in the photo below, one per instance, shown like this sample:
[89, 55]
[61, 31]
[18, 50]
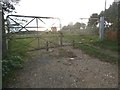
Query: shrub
[11, 63]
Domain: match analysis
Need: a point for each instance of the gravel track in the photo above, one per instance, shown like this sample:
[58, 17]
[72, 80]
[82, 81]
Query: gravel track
[65, 68]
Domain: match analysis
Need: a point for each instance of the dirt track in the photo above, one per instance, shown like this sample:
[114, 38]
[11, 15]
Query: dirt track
[65, 68]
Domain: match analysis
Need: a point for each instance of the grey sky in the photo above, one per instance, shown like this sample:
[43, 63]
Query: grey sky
[67, 10]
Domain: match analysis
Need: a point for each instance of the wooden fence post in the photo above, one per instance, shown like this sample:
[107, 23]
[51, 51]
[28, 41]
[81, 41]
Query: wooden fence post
[73, 43]
[47, 46]
[61, 38]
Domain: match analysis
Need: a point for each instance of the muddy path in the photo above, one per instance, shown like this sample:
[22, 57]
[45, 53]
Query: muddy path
[65, 68]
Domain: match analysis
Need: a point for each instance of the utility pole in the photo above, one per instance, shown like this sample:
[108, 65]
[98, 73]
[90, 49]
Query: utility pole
[101, 28]
[105, 4]
[101, 25]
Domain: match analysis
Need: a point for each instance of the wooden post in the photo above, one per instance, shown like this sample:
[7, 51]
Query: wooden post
[61, 38]
[47, 48]
[73, 43]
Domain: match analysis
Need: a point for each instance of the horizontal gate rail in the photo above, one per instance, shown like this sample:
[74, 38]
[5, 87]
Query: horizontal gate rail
[32, 16]
[18, 28]
[18, 25]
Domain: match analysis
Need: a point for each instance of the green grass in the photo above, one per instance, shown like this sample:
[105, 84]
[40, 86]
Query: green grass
[32, 43]
[84, 38]
[19, 46]
[107, 44]
[95, 52]
[15, 57]
[94, 40]
[94, 47]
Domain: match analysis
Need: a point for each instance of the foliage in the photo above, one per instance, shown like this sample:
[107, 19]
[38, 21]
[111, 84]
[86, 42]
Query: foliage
[107, 44]
[10, 63]
[9, 6]
[78, 25]
[93, 21]
[14, 58]
[111, 15]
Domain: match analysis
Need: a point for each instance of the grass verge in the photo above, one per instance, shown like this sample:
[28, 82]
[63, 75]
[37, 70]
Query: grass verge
[13, 60]
[95, 52]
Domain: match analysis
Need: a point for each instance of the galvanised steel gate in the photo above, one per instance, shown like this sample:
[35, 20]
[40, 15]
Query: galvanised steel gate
[32, 31]
[35, 33]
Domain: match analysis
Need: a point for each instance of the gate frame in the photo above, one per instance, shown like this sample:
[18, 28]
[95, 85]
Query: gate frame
[25, 26]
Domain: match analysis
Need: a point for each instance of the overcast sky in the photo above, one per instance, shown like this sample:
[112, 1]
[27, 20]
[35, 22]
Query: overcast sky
[67, 10]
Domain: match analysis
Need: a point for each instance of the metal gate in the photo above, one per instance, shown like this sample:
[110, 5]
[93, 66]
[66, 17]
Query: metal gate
[32, 32]
[35, 33]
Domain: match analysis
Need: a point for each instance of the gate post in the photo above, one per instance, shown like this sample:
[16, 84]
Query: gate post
[0, 46]
[101, 28]
[0, 32]
[47, 47]
[61, 39]
[73, 43]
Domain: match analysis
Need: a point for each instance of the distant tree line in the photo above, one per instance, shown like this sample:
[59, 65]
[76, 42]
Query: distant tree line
[111, 19]
[77, 25]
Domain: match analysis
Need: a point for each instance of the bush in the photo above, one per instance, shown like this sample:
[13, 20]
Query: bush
[11, 63]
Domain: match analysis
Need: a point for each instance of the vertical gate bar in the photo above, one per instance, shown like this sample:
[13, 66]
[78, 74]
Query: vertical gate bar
[37, 33]
[47, 48]
[8, 23]
[73, 43]
[61, 38]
